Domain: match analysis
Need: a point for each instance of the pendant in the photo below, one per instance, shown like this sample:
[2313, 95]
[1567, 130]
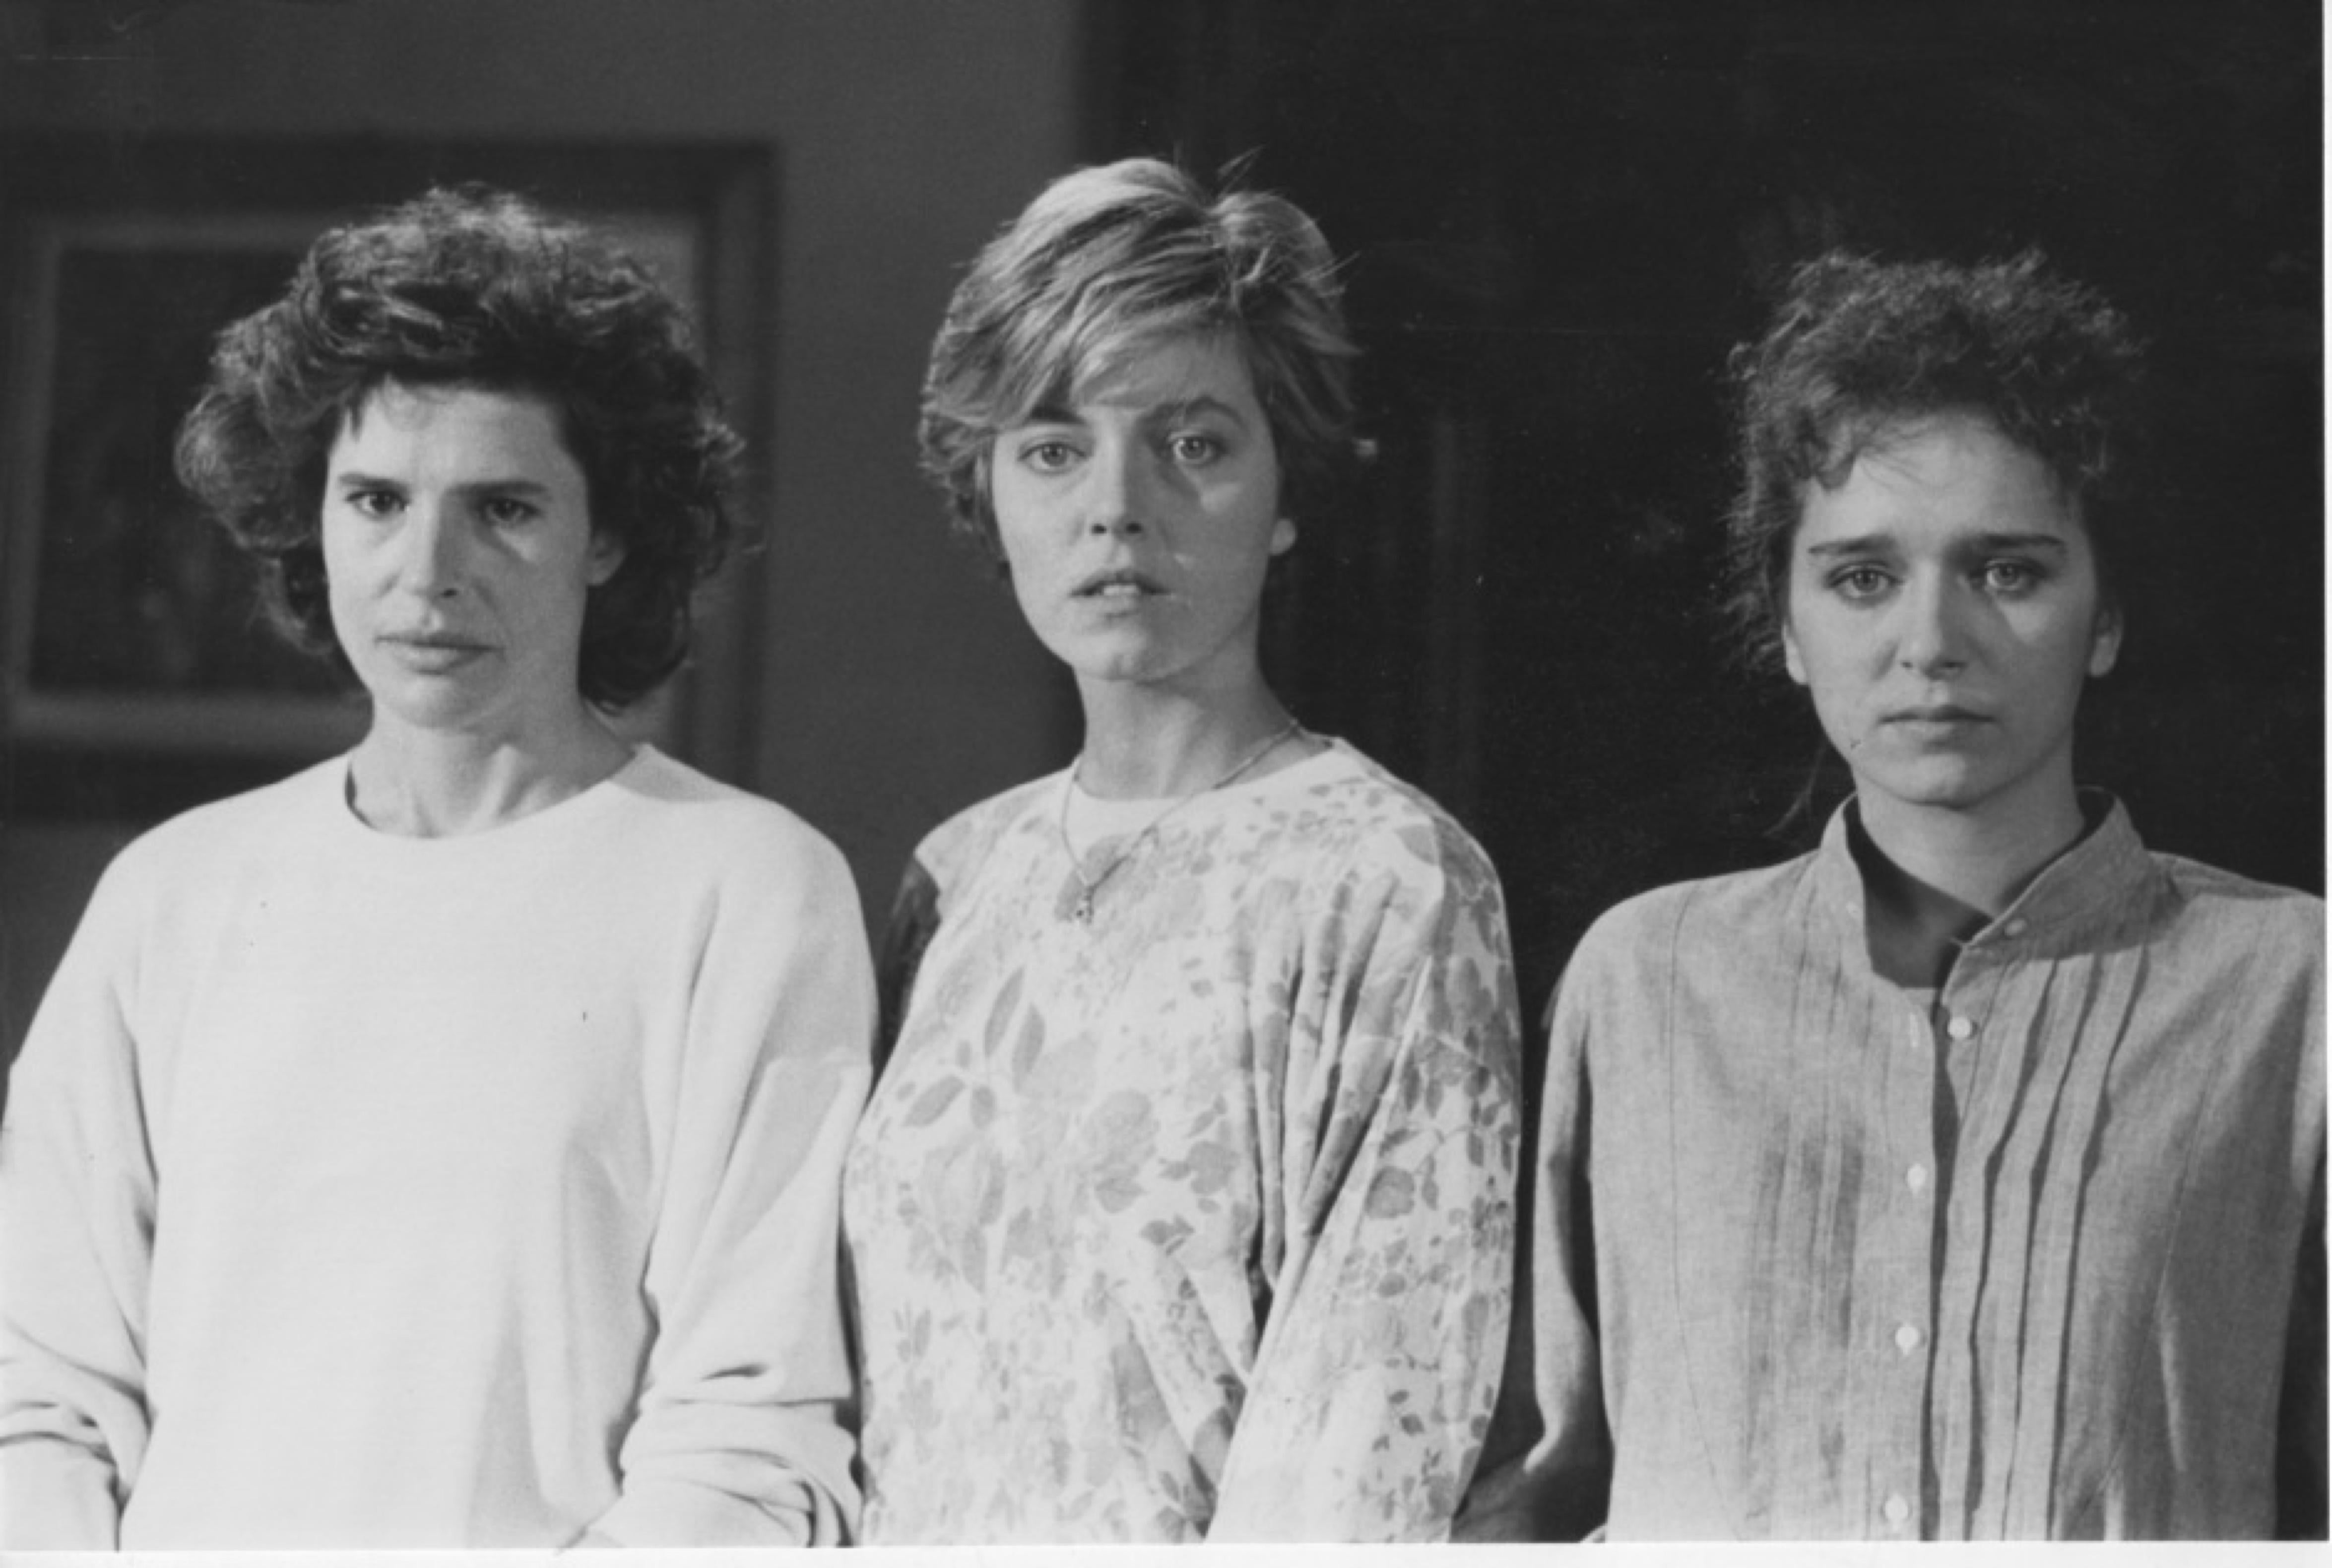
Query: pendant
[1082, 911]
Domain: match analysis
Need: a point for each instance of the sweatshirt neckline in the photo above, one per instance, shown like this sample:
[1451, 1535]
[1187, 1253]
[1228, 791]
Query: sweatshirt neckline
[578, 813]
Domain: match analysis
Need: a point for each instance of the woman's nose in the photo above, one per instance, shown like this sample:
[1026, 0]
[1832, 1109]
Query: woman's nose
[1931, 629]
[430, 562]
[1117, 492]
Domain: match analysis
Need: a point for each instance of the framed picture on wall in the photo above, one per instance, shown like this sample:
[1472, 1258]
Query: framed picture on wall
[136, 674]
[130, 620]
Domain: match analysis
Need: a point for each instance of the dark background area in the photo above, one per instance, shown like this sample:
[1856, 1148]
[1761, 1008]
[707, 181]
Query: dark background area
[1558, 216]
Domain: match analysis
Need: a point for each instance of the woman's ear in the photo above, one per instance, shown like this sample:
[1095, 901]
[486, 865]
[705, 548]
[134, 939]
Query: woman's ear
[1792, 660]
[606, 555]
[2104, 639]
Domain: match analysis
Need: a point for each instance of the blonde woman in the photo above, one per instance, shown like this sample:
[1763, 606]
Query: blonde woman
[1183, 1208]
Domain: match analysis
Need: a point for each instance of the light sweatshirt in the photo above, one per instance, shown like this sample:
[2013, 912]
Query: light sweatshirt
[366, 1191]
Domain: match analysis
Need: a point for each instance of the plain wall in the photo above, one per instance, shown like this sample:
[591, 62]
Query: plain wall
[896, 679]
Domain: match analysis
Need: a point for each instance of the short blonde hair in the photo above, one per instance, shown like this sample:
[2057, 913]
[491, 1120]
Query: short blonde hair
[1103, 264]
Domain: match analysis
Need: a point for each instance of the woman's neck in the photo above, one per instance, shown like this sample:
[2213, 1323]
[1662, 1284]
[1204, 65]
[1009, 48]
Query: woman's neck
[421, 783]
[1933, 878]
[1144, 744]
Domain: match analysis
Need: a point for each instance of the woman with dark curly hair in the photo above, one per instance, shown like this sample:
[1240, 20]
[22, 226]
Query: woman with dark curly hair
[1965, 1178]
[1184, 1207]
[498, 1074]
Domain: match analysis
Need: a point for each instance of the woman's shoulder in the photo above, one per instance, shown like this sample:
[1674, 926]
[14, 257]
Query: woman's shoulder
[1344, 805]
[176, 872]
[1731, 909]
[261, 820]
[2242, 912]
[677, 814]
[963, 840]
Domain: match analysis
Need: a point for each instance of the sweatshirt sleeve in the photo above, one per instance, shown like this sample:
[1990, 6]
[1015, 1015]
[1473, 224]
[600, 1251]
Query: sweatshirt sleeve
[77, 1205]
[742, 1432]
[1387, 1324]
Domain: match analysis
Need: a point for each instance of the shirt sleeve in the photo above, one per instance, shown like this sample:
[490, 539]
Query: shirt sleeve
[77, 1204]
[742, 1435]
[2300, 1460]
[1563, 1486]
[1387, 1319]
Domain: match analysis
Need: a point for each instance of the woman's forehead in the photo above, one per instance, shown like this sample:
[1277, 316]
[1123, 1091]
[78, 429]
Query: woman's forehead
[1164, 364]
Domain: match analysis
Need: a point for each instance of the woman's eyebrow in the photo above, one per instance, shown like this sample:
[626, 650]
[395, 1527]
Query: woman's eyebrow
[525, 489]
[2049, 543]
[1865, 543]
[1182, 408]
[1860, 544]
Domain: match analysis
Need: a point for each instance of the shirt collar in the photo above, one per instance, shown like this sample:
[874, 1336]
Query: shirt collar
[2081, 890]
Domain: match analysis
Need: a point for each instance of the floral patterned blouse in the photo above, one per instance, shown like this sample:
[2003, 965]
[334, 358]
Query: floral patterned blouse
[1194, 1221]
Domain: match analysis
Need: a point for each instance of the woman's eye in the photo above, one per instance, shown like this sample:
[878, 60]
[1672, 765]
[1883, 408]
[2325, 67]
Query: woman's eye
[1861, 582]
[504, 512]
[2010, 576]
[1194, 449]
[374, 503]
[1048, 457]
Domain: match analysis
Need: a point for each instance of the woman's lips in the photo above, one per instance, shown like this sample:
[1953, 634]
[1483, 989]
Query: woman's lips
[1935, 723]
[1116, 583]
[433, 653]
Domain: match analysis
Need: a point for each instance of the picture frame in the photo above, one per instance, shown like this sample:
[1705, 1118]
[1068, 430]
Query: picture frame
[130, 634]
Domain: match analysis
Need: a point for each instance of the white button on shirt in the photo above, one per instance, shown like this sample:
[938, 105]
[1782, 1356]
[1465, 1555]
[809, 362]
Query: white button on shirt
[1915, 1178]
[1960, 1028]
[1907, 1338]
[1898, 1509]
[2015, 927]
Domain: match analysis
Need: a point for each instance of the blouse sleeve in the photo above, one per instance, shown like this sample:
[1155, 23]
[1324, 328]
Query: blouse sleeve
[914, 920]
[77, 1205]
[1557, 1489]
[741, 1433]
[1387, 1319]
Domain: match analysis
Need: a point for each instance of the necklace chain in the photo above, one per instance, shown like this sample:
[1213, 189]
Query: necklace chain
[1089, 885]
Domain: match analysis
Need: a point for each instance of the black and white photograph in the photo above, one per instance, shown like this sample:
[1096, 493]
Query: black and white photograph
[994, 774]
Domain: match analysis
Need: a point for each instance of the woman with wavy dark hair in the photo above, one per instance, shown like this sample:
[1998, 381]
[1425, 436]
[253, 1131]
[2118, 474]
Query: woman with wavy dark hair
[1184, 1207]
[497, 1073]
[1964, 1178]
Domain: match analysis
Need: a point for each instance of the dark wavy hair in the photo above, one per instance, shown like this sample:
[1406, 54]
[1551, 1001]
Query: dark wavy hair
[474, 287]
[1858, 346]
[1103, 264]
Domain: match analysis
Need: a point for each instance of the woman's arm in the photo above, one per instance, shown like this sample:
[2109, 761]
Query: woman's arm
[2300, 1460]
[1386, 1327]
[76, 1210]
[914, 920]
[742, 1432]
[1558, 1490]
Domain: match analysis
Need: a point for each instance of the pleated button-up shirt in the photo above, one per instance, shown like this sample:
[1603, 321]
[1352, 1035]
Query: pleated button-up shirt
[1819, 1255]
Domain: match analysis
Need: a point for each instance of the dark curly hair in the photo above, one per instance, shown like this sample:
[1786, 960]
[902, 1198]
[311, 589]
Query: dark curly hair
[474, 287]
[1858, 347]
[1102, 264]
